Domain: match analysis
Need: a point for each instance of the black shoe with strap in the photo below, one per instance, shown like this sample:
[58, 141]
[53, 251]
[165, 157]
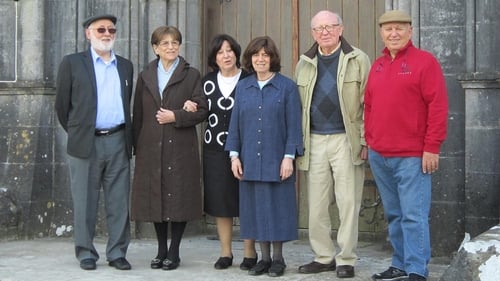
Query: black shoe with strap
[171, 265]
[260, 268]
[157, 263]
[277, 268]
[248, 263]
[223, 262]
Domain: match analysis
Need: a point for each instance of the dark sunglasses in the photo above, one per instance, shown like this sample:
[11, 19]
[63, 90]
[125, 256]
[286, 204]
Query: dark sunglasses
[103, 30]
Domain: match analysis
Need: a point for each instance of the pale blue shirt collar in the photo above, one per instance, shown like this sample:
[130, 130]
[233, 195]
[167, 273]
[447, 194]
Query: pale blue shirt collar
[96, 57]
[164, 76]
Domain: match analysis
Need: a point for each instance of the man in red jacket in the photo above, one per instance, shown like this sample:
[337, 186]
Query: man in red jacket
[406, 109]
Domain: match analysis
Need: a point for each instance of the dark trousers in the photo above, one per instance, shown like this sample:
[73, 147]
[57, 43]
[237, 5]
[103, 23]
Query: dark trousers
[108, 168]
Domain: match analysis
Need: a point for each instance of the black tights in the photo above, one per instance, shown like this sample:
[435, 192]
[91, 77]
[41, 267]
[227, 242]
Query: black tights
[265, 249]
[177, 230]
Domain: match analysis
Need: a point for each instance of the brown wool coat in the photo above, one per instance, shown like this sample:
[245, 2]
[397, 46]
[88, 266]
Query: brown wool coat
[166, 184]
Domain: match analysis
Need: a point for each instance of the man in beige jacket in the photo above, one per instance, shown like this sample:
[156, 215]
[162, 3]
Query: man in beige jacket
[331, 77]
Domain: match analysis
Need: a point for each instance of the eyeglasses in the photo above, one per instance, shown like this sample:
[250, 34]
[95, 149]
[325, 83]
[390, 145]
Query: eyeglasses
[165, 44]
[102, 30]
[329, 28]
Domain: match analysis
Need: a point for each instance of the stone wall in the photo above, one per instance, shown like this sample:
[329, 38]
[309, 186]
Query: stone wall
[35, 199]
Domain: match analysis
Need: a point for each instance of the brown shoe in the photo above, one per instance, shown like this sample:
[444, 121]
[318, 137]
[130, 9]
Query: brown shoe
[316, 267]
[345, 271]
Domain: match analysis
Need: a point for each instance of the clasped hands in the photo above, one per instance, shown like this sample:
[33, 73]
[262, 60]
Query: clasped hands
[165, 116]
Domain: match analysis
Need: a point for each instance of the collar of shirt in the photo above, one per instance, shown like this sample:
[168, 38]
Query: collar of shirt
[164, 76]
[96, 58]
[334, 50]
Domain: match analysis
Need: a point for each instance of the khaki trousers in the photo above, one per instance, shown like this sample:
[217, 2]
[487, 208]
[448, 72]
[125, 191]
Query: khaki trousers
[331, 162]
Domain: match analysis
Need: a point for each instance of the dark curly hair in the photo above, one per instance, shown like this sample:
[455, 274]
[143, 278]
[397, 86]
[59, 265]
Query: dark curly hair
[215, 46]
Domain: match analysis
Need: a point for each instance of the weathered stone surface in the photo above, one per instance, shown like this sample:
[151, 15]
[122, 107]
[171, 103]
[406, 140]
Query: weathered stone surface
[10, 212]
[477, 259]
[487, 36]
[8, 47]
[444, 238]
[482, 136]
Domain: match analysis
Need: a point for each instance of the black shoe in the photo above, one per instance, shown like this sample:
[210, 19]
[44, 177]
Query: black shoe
[156, 263]
[345, 271]
[120, 263]
[88, 264]
[277, 268]
[391, 274]
[248, 263]
[260, 268]
[316, 267]
[416, 277]
[223, 262]
[170, 265]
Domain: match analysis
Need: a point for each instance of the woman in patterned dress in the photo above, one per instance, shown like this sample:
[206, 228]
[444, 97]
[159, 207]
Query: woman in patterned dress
[221, 193]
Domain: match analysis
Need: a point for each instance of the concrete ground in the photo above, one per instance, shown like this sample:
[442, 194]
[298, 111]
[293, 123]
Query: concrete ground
[52, 259]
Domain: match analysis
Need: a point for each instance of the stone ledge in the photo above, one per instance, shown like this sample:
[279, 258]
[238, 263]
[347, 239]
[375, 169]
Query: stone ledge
[477, 259]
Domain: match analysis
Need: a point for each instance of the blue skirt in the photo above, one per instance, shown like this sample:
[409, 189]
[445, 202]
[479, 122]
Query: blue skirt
[268, 211]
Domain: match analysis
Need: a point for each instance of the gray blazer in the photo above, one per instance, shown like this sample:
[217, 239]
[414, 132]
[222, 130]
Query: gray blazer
[76, 101]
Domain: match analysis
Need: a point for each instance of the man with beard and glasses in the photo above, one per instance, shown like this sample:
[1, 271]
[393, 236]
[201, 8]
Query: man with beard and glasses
[93, 93]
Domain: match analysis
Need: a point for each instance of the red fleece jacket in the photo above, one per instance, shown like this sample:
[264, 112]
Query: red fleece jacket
[406, 104]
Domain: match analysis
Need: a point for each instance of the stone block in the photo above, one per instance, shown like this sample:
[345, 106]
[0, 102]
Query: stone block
[448, 182]
[447, 44]
[446, 227]
[477, 259]
[4, 144]
[487, 36]
[10, 212]
[7, 41]
[476, 225]
[441, 13]
[482, 108]
[62, 222]
[482, 195]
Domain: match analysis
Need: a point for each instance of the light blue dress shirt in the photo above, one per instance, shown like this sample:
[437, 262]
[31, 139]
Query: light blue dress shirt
[109, 98]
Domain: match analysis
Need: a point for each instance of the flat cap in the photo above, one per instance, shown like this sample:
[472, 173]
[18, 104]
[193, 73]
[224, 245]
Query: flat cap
[88, 21]
[394, 16]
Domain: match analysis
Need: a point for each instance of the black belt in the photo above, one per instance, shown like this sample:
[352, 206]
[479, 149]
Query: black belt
[107, 132]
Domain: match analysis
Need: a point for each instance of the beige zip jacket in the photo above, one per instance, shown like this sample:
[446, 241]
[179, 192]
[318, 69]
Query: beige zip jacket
[353, 69]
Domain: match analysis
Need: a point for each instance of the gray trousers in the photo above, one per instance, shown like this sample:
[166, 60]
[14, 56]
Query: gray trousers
[107, 167]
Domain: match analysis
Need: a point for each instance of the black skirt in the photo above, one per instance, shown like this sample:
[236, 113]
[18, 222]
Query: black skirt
[221, 188]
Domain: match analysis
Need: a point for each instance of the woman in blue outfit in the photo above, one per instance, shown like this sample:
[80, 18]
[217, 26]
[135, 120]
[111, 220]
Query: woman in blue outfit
[264, 137]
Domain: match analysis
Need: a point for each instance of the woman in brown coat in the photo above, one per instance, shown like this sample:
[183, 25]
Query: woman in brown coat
[166, 186]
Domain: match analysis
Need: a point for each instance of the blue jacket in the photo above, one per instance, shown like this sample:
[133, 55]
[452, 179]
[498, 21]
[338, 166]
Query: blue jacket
[265, 125]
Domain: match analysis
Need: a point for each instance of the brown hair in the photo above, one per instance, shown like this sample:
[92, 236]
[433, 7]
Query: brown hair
[161, 31]
[258, 43]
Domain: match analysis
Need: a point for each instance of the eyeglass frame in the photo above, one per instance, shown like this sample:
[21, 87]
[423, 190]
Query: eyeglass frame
[102, 30]
[328, 27]
[165, 44]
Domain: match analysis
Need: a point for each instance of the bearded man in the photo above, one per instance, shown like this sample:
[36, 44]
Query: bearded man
[93, 93]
